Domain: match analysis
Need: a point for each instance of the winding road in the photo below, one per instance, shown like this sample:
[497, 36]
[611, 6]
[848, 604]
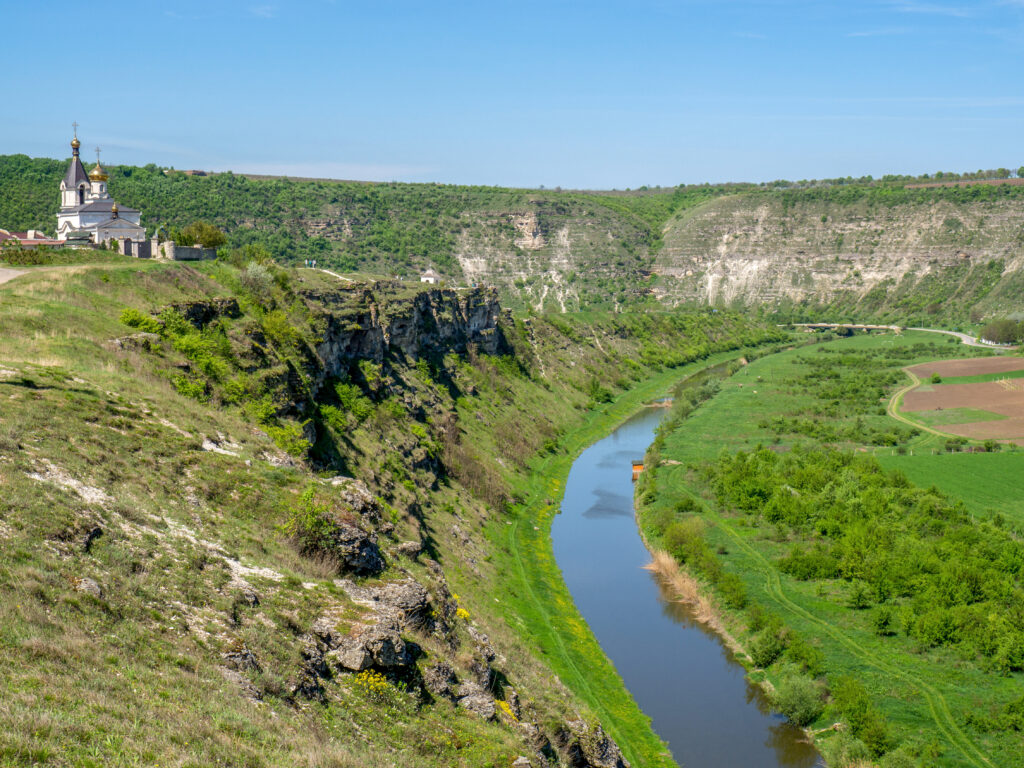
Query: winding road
[971, 341]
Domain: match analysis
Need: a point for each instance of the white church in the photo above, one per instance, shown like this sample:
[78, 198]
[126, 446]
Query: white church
[86, 207]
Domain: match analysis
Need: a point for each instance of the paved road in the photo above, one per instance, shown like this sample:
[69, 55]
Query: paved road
[971, 341]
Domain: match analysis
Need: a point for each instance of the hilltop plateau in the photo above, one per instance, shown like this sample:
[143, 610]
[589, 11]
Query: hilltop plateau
[857, 249]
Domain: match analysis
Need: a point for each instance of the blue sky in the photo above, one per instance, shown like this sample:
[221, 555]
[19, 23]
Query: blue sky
[578, 94]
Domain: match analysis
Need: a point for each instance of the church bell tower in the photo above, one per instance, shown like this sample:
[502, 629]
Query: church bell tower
[74, 187]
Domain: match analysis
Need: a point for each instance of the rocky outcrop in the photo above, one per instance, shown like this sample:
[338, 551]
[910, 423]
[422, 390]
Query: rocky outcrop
[474, 698]
[370, 323]
[379, 645]
[202, 313]
[587, 746]
[375, 639]
[355, 549]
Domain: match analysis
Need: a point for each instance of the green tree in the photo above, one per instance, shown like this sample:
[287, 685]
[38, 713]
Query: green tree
[199, 233]
[1002, 331]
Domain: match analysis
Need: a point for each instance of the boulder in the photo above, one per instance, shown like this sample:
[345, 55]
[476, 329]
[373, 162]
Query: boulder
[358, 498]
[522, 762]
[439, 680]
[371, 646]
[357, 550]
[410, 549]
[146, 342]
[88, 586]
[474, 698]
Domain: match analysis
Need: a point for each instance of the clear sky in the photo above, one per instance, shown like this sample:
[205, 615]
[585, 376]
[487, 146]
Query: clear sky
[561, 92]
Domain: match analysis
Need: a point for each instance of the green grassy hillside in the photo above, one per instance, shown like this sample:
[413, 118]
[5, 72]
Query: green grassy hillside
[170, 519]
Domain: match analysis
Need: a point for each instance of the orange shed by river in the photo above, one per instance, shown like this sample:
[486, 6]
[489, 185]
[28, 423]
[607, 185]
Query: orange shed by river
[638, 467]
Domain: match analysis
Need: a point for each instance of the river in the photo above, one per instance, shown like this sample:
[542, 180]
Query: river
[680, 674]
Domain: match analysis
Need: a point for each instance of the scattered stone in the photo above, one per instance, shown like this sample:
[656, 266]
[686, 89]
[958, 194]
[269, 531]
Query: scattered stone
[221, 445]
[240, 658]
[88, 586]
[51, 473]
[249, 690]
[522, 762]
[248, 595]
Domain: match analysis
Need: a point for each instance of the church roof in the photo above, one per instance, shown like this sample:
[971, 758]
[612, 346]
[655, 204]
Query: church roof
[116, 222]
[76, 173]
[101, 206]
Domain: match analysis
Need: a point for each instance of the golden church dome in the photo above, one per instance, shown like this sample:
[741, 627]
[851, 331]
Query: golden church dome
[98, 174]
[75, 143]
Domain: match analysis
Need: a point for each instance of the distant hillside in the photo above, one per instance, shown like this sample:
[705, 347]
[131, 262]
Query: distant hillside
[558, 250]
[860, 249]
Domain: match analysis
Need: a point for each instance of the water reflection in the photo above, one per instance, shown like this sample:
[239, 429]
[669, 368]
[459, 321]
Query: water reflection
[679, 672]
[787, 741]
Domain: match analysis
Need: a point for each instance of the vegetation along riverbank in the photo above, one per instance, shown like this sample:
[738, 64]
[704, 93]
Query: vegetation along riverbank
[890, 607]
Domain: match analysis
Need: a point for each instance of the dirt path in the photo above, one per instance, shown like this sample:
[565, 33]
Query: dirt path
[9, 274]
[892, 408]
[332, 274]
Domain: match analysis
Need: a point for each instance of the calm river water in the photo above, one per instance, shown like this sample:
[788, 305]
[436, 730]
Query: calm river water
[680, 674]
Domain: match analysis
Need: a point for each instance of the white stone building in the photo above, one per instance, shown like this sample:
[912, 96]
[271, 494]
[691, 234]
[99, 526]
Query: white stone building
[430, 276]
[87, 207]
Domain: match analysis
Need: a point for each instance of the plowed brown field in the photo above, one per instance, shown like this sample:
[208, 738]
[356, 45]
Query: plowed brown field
[989, 396]
[968, 367]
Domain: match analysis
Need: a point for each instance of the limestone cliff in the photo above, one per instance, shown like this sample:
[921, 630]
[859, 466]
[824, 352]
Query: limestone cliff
[756, 249]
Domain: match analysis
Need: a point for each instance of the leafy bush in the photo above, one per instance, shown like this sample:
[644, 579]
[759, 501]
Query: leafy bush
[851, 700]
[767, 647]
[133, 318]
[310, 525]
[799, 698]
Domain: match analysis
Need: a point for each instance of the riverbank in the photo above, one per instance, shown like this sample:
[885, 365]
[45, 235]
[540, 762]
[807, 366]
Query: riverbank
[545, 609]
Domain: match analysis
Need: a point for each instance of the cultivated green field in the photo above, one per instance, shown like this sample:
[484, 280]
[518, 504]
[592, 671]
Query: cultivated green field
[983, 377]
[955, 416]
[987, 483]
[930, 702]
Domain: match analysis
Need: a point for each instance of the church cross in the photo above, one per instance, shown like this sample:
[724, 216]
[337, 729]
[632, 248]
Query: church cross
[75, 126]
[97, 155]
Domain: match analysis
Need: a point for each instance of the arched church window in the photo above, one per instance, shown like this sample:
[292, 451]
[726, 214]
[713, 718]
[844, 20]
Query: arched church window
[81, 194]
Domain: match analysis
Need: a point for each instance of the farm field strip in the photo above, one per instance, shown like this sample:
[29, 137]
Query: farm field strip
[990, 402]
